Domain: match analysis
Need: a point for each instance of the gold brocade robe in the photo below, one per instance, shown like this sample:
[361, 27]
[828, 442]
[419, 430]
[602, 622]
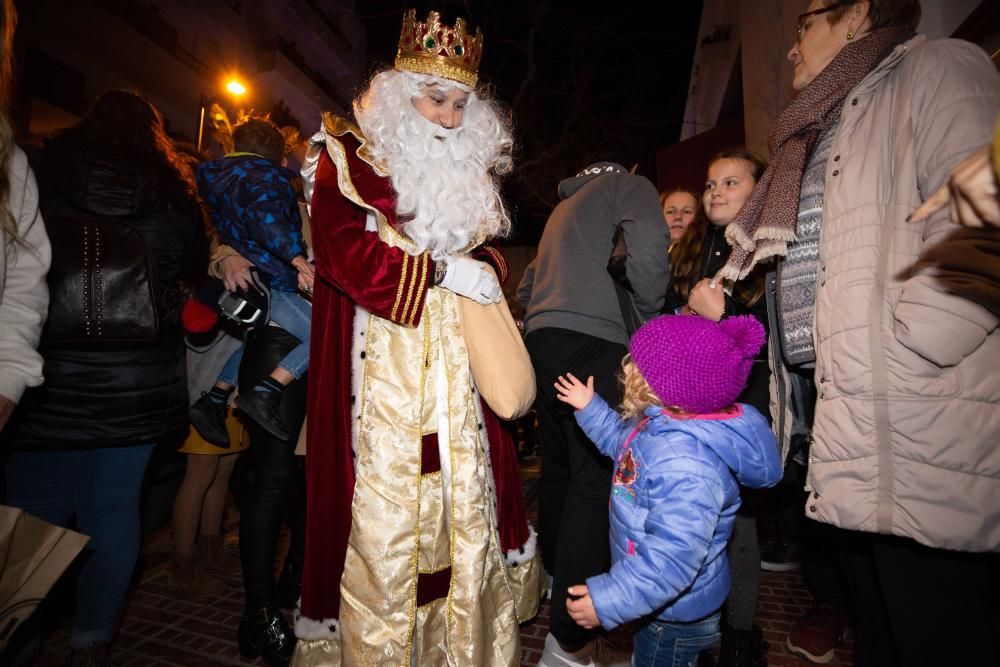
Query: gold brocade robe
[414, 391]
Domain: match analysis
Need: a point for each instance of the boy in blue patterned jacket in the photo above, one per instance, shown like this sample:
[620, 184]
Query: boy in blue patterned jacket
[255, 210]
[681, 444]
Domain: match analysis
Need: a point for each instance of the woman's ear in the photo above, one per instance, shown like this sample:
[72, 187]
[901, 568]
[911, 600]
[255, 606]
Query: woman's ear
[859, 18]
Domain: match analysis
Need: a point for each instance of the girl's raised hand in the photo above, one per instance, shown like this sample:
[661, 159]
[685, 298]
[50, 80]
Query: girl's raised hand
[572, 391]
[581, 607]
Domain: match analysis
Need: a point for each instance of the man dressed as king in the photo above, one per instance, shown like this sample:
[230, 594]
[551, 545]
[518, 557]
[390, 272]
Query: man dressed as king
[418, 551]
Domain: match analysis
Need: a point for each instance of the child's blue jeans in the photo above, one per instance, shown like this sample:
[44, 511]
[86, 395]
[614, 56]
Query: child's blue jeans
[292, 313]
[673, 644]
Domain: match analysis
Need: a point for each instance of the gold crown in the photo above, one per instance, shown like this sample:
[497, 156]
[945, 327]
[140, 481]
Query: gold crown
[428, 47]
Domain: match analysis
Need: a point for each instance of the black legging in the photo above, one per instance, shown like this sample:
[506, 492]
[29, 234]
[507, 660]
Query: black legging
[575, 483]
[276, 474]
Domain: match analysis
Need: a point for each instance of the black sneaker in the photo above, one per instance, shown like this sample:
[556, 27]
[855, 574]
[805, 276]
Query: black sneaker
[780, 557]
[209, 419]
[262, 407]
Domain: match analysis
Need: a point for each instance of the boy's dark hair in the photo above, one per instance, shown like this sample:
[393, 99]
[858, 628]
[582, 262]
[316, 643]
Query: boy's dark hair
[258, 134]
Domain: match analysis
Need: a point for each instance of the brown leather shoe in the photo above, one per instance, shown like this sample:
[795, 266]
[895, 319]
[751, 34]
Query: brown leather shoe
[190, 578]
[215, 558]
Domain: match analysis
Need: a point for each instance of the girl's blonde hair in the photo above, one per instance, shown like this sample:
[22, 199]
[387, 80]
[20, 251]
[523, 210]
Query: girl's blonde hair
[637, 395]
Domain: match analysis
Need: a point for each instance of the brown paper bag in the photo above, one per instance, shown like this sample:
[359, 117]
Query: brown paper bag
[33, 555]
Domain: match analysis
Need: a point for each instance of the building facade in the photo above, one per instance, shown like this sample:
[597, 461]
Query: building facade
[295, 58]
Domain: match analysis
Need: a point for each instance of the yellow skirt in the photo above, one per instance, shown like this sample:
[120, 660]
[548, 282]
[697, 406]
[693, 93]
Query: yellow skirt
[195, 444]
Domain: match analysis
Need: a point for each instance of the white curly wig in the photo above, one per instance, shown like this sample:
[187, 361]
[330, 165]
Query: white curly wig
[446, 181]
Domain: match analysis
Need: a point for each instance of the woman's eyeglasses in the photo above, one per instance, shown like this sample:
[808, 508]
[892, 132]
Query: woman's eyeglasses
[801, 26]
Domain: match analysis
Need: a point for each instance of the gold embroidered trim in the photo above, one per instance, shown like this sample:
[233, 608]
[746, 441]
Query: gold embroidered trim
[364, 376]
[501, 262]
[440, 569]
[416, 530]
[405, 318]
[424, 262]
[451, 480]
[428, 604]
[428, 475]
[338, 127]
[399, 293]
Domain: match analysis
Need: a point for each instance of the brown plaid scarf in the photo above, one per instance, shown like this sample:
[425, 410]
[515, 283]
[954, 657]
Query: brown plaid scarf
[766, 223]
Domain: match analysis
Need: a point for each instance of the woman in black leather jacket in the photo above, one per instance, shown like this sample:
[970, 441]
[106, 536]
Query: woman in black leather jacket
[81, 442]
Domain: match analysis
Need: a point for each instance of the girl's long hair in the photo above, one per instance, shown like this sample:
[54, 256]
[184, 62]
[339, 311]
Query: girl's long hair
[8, 21]
[685, 255]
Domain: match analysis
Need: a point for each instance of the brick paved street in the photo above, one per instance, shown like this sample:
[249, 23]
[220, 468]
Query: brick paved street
[161, 629]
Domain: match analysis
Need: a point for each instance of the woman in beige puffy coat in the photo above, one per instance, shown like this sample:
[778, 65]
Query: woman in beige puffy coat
[904, 443]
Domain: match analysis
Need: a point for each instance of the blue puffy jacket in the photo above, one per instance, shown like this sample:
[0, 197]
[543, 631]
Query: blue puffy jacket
[255, 210]
[673, 500]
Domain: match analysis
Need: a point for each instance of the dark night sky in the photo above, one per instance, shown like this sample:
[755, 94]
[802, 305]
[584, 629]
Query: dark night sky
[607, 81]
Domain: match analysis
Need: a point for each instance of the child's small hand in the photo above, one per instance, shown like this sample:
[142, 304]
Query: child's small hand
[572, 391]
[582, 609]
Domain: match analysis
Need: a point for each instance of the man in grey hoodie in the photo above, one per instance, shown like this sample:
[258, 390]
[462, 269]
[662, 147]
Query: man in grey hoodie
[574, 324]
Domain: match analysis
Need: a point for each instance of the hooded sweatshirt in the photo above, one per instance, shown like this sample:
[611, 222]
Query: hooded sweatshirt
[568, 286]
[674, 496]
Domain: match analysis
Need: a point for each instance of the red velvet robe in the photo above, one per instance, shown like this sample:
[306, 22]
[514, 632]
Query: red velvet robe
[355, 267]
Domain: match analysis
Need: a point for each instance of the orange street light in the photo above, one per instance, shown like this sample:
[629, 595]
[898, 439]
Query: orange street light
[236, 88]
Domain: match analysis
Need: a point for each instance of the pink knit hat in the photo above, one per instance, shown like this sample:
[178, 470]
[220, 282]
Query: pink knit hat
[696, 364]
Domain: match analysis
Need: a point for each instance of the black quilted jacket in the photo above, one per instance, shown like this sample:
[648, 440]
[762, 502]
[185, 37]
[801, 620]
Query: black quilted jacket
[101, 394]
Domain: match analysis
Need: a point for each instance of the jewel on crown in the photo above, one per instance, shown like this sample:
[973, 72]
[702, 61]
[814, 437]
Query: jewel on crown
[429, 47]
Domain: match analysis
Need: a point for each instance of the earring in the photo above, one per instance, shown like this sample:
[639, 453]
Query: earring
[850, 34]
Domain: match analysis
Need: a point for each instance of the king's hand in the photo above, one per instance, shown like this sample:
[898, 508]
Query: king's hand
[472, 279]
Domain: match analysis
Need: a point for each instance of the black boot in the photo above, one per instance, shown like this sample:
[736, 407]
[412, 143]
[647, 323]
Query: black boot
[262, 407]
[289, 586]
[742, 648]
[264, 633]
[209, 419]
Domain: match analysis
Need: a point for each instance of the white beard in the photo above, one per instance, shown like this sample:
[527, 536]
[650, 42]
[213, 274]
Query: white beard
[447, 195]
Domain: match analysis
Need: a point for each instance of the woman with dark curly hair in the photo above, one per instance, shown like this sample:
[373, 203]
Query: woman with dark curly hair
[81, 442]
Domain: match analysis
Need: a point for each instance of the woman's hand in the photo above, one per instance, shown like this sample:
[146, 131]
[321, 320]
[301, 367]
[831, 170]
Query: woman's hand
[236, 272]
[582, 609]
[970, 193]
[572, 391]
[707, 299]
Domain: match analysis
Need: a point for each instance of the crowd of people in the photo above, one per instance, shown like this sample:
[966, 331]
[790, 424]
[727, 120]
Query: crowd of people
[823, 322]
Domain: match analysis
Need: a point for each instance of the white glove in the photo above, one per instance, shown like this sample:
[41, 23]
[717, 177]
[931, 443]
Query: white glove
[472, 279]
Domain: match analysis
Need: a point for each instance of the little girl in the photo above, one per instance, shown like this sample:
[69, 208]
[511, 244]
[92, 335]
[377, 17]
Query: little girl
[681, 445]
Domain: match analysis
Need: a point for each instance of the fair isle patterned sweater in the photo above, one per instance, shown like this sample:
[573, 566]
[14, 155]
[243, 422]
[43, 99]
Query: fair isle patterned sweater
[797, 272]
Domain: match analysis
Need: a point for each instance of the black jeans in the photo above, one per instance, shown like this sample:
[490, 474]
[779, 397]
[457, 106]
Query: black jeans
[919, 606]
[277, 484]
[575, 482]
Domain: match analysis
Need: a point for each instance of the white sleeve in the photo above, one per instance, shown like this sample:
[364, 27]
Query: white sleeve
[25, 298]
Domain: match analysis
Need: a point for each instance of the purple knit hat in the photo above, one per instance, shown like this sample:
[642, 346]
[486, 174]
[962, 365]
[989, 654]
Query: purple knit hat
[696, 364]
